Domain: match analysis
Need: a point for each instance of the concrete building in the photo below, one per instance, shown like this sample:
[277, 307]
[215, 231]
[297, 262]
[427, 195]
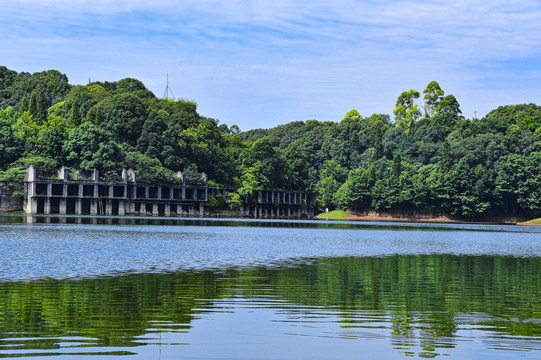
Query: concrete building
[88, 195]
[81, 193]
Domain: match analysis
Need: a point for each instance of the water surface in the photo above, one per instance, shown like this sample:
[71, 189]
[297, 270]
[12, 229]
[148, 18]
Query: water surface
[225, 289]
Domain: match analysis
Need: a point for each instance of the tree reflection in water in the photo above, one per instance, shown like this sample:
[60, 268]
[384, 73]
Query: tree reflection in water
[419, 303]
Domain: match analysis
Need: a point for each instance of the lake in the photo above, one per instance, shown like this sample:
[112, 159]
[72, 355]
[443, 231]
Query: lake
[160, 288]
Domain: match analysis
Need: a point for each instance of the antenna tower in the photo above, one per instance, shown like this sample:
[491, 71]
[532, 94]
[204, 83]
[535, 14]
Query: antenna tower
[168, 91]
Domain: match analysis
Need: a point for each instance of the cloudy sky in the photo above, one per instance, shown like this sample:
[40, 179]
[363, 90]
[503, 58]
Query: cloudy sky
[262, 63]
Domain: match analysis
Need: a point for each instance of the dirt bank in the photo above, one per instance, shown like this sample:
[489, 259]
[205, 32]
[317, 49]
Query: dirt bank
[415, 216]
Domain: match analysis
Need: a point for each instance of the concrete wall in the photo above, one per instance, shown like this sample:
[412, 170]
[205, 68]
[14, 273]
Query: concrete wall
[8, 202]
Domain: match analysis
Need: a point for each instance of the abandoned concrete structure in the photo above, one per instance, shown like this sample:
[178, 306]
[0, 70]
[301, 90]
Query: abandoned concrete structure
[88, 195]
[82, 194]
[273, 204]
[9, 202]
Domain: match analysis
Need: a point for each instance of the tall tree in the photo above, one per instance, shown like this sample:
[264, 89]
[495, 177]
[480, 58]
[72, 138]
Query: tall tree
[407, 112]
[433, 95]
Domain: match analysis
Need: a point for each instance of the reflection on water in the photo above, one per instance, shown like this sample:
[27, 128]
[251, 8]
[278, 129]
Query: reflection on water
[207, 289]
[424, 305]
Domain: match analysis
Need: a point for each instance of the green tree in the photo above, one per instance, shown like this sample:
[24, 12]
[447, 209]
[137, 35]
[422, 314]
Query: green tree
[433, 95]
[90, 147]
[407, 112]
[11, 146]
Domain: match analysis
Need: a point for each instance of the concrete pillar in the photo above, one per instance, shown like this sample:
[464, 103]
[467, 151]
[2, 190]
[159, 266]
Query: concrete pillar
[108, 207]
[183, 193]
[155, 210]
[195, 193]
[47, 205]
[64, 190]
[259, 197]
[201, 209]
[93, 206]
[111, 191]
[62, 206]
[96, 190]
[241, 210]
[167, 210]
[132, 207]
[122, 207]
[143, 208]
[78, 206]
[146, 192]
[32, 205]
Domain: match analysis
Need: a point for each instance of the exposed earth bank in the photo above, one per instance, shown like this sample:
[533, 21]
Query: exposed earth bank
[416, 216]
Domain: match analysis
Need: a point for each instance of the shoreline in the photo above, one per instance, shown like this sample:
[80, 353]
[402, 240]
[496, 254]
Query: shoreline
[374, 216]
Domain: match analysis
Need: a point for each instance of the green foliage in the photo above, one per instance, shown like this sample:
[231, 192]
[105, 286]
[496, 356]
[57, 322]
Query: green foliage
[436, 162]
[150, 170]
[407, 112]
[14, 175]
[252, 180]
[233, 200]
[90, 147]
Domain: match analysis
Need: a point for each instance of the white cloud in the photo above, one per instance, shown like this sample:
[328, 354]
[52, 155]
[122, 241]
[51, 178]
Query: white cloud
[238, 59]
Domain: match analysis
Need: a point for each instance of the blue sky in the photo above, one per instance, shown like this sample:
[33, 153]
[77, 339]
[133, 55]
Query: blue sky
[259, 64]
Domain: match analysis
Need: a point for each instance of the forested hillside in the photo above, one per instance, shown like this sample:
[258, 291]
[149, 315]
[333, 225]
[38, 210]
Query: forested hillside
[426, 157]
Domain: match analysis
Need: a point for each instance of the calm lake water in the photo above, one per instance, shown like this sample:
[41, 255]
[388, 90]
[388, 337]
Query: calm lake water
[148, 288]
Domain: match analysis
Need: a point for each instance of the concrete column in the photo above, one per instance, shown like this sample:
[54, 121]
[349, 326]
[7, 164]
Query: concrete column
[272, 197]
[143, 208]
[78, 206]
[122, 207]
[167, 210]
[108, 207]
[62, 206]
[183, 193]
[201, 209]
[132, 207]
[155, 210]
[96, 191]
[195, 193]
[159, 194]
[64, 190]
[93, 206]
[171, 193]
[47, 205]
[32, 205]
[259, 197]
[146, 192]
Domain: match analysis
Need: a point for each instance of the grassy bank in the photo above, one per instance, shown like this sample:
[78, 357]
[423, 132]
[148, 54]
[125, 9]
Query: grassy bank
[531, 222]
[335, 214]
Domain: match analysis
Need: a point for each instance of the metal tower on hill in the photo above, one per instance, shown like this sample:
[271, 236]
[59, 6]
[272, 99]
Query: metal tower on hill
[168, 91]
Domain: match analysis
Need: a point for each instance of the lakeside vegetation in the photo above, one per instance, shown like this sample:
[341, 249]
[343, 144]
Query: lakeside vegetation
[426, 158]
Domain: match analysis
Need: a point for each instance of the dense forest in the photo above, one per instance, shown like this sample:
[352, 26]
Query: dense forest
[426, 158]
